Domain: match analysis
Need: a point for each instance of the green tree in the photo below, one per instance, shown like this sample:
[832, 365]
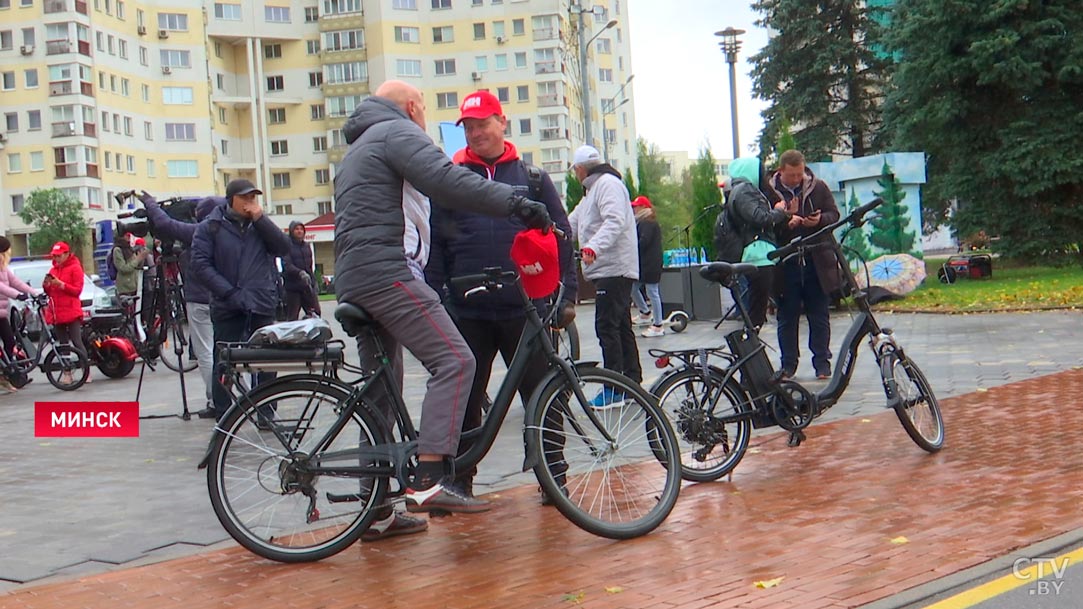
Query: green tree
[890, 222]
[652, 168]
[822, 71]
[56, 216]
[990, 92]
[573, 191]
[856, 245]
[630, 183]
[706, 198]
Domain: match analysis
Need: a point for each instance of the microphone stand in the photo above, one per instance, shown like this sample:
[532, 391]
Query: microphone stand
[687, 230]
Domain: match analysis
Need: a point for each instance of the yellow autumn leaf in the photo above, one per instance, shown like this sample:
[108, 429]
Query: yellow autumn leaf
[981, 389]
[866, 420]
[576, 598]
[900, 540]
[614, 589]
[770, 583]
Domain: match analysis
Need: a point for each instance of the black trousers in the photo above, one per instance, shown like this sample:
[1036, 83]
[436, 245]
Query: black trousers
[801, 291]
[613, 325]
[234, 328]
[304, 299]
[759, 292]
[7, 335]
[487, 337]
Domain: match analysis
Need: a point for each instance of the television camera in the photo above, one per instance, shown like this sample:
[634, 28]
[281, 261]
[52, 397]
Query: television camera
[136, 222]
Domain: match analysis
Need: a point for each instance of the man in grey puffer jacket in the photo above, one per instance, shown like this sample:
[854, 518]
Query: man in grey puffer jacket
[382, 191]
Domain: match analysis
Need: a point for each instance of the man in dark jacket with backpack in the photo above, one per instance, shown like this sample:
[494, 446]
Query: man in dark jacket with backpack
[297, 271]
[233, 254]
[464, 243]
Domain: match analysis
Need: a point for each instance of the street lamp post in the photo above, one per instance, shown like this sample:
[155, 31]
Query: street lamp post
[584, 44]
[730, 45]
[612, 110]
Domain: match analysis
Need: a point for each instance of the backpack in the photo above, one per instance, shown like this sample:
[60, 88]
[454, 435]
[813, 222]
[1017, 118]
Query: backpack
[728, 243]
[533, 181]
[110, 266]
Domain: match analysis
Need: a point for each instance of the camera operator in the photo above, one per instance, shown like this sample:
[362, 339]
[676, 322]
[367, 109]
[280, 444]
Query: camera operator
[197, 298]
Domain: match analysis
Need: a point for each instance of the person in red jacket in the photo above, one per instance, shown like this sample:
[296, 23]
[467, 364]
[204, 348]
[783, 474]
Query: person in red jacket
[64, 284]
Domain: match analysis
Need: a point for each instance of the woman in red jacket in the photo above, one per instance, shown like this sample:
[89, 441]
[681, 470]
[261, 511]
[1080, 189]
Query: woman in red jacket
[64, 285]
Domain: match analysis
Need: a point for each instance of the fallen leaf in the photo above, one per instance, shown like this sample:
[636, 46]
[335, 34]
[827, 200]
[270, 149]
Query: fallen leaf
[576, 598]
[981, 389]
[770, 583]
[614, 589]
[866, 420]
[900, 540]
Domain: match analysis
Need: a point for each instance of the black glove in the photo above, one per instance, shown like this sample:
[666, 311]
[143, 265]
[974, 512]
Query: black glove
[140, 213]
[531, 213]
[23, 296]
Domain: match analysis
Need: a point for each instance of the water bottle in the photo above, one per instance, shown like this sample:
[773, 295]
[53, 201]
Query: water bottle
[703, 256]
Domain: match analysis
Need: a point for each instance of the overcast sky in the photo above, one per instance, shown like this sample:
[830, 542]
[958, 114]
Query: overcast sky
[682, 78]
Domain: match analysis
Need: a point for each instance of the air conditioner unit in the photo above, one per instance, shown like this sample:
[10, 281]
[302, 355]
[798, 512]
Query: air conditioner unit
[163, 34]
[476, 76]
[27, 49]
[501, 40]
[167, 70]
[142, 30]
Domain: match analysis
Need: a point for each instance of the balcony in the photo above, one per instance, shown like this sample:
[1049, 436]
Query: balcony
[76, 170]
[550, 99]
[67, 87]
[547, 33]
[545, 67]
[55, 6]
[57, 47]
[554, 167]
[70, 128]
[550, 134]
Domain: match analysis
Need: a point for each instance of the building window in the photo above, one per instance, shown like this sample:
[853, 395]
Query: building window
[354, 71]
[9, 81]
[105, 121]
[175, 59]
[312, 47]
[323, 207]
[524, 126]
[144, 56]
[518, 27]
[177, 22]
[343, 105]
[16, 203]
[503, 94]
[441, 4]
[344, 40]
[280, 147]
[182, 169]
[520, 60]
[218, 49]
[312, 14]
[227, 12]
[128, 131]
[445, 67]
[604, 46]
[280, 180]
[522, 93]
[501, 61]
[177, 95]
[447, 100]
[276, 14]
[276, 116]
[341, 7]
[481, 63]
[145, 93]
[125, 87]
[408, 67]
[315, 79]
[275, 83]
[283, 210]
[319, 144]
[272, 51]
[407, 34]
[317, 111]
[11, 120]
[150, 171]
[445, 33]
[15, 163]
[479, 31]
[498, 29]
[37, 161]
[605, 74]
[148, 130]
[323, 176]
[130, 163]
[31, 77]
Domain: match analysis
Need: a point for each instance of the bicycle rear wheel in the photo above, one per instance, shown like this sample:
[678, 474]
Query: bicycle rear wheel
[260, 484]
[709, 448]
[618, 488]
[913, 401]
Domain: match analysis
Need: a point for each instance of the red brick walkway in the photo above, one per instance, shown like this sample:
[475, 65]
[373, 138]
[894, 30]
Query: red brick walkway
[822, 516]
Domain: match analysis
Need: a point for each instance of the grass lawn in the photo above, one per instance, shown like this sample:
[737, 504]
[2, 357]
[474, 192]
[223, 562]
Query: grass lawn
[1009, 289]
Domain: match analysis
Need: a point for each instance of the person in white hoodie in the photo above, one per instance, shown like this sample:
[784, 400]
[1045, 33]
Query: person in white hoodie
[605, 227]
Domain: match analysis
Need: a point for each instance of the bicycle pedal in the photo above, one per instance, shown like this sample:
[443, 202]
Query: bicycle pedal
[796, 438]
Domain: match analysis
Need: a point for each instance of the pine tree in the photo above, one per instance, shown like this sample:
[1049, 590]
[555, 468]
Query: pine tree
[890, 222]
[706, 197]
[573, 191]
[856, 245]
[630, 183]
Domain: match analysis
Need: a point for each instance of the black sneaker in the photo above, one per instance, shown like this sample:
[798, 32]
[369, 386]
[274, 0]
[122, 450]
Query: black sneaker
[824, 373]
[208, 413]
[394, 525]
[443, 496]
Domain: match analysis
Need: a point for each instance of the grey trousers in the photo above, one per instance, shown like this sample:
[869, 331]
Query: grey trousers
[202, 336]
[411, 316]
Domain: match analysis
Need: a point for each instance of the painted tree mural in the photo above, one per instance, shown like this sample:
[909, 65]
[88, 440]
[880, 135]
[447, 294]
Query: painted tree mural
[891, 220]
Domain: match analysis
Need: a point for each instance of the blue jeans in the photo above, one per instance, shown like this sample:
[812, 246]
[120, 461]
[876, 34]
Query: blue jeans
[655, 296]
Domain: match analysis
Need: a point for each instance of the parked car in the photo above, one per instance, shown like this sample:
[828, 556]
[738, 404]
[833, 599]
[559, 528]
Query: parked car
[33, 271]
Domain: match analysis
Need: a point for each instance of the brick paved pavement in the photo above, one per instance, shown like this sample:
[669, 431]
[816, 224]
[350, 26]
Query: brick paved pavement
[822, 516]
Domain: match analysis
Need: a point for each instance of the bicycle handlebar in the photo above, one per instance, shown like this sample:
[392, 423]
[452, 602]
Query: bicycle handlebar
[796, 243]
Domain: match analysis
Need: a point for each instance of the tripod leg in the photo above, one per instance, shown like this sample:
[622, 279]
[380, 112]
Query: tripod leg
[139, 387]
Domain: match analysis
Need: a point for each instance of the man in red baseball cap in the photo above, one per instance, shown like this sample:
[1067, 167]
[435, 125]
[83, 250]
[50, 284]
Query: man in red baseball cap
[464, 243]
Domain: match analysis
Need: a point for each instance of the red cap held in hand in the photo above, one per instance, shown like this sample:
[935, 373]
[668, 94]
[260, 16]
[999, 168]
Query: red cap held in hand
[535, 255]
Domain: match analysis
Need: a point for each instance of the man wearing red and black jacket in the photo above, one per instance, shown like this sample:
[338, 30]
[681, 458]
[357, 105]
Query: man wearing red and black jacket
[464, 243]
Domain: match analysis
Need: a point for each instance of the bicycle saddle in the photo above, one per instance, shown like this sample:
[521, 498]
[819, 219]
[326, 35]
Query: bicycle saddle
[720, 271]
[352, 318]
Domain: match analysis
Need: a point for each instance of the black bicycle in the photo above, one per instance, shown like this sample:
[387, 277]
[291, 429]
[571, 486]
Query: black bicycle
[298, 467]
[66, 367]
[714, 407]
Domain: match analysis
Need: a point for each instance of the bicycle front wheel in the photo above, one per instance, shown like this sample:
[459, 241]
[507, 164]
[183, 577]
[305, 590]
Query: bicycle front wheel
[66, 368]
[566, 340]
[709, 448]
[268, 471]
[913, 400]
[617, 478]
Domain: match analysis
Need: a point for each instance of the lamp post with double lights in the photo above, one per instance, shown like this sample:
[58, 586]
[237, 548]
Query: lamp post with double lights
[730, 45]
[612, 110]
[584, 44]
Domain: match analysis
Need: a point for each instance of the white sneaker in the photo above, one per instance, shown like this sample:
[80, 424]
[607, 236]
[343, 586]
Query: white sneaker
[654, 331]
[644, 318]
